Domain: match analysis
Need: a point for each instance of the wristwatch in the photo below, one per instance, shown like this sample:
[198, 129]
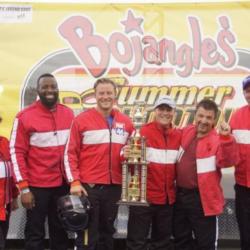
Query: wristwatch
[25, 190]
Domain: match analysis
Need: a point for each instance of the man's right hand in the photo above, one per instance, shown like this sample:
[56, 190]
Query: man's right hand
[126, 151]
[28, 200]
[78, 190]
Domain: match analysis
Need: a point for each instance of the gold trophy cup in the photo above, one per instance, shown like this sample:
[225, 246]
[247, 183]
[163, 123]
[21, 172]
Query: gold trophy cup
[134, 169]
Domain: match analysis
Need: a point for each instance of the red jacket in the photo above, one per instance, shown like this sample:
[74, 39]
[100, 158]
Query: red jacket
[212, 153]
[93, 150]
[37, 145]
[8, 189]
[240, 125]
[162, 152]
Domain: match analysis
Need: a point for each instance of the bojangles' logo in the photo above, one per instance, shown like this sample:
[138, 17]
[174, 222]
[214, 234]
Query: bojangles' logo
[133, 47]
[143, 66]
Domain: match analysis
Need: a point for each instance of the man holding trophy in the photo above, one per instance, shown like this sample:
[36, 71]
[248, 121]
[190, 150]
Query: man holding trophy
[162, 144]
[93, 164]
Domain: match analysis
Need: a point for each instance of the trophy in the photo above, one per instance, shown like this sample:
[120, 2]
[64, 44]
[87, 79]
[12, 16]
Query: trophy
[134, 168]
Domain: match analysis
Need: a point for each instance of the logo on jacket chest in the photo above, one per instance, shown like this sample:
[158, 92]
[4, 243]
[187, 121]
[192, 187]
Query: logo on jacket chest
[119, 128]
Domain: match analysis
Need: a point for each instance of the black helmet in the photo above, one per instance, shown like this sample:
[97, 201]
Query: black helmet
[73, 212]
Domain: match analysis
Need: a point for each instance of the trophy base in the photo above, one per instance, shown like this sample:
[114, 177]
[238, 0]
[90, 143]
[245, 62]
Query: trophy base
[133, 203]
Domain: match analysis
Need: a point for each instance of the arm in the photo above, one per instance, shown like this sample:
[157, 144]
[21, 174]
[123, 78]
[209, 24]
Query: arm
[71, 160]
[14, 204]
[227, 153]
[15, 193]
[125, 150]
[19, 146]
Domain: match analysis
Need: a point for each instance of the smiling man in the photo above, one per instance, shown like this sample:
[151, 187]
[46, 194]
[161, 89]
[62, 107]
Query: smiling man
[162, 144]
[93, 163]
[37, 144]
[199, 196]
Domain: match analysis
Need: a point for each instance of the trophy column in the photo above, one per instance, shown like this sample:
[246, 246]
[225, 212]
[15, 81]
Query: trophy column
[134, 169]
[124, 182]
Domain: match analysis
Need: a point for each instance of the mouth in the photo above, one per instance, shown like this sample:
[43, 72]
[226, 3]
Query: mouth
[166, 117]
[106, 102]
[203, 126]
[50, 96]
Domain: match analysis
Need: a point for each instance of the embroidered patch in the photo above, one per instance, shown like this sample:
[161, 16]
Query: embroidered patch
[119, 128]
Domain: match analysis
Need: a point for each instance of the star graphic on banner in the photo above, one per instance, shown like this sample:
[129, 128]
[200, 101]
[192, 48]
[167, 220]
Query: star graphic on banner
[132, 23]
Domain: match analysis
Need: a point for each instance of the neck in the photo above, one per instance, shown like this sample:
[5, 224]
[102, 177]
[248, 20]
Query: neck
[165, 126]
[104, 113]
[51, 108]
[200, 135]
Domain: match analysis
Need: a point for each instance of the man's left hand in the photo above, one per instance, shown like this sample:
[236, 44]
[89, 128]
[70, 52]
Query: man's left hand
[224, 129]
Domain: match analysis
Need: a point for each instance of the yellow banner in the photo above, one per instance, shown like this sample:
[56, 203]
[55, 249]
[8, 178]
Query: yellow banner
[189, 51]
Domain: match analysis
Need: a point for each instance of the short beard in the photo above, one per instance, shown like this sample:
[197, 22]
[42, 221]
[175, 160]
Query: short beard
[48, 104]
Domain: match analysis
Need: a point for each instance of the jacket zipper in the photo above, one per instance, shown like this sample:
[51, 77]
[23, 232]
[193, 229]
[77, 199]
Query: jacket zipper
[165, 139]
[110, 152]
[60, 162]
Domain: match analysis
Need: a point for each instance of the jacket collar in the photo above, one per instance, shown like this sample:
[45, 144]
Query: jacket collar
[162, 129]
[112, 113]
[44, 108]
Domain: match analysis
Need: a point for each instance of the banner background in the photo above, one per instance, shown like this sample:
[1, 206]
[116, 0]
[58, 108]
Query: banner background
[24, 44]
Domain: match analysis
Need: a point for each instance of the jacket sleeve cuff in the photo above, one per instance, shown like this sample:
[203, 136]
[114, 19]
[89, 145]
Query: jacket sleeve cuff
[23, 185]
[225, 137]
[122, 158]
[75, 183]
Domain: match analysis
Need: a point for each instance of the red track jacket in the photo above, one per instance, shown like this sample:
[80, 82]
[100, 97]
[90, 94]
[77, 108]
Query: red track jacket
[213, 152]
[8, 189]
[240, 125]
[37, 145]
[162, 152]
[93, 150]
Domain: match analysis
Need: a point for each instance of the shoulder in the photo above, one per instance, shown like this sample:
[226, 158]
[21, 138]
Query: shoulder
[149, 130]
[175, 132]
[239, 116]
[86, 114]
[148, 126]
[26, 111]
[119, 114]
[4, 140]
[65, 109]
[241, 111]
[244, 108]
[188, 129]
[121, 117]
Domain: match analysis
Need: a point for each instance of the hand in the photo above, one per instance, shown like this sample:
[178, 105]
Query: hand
[224, 128]
[78, 190]
[14, 205]
[28, 200]
[126, 151]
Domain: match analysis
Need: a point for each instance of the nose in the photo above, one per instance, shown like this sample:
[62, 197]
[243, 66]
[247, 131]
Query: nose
[106, 95]
[165, 111]
[203, 120]
[50, 89]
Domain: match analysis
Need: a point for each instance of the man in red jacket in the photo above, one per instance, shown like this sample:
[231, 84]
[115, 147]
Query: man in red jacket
[162, 144]
[8, 190]
[199, 197]
[93, 165]
[37, 144]
[240, 125]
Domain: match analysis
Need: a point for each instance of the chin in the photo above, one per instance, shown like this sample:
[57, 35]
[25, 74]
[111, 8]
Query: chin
[49, 103]
[106, 108]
